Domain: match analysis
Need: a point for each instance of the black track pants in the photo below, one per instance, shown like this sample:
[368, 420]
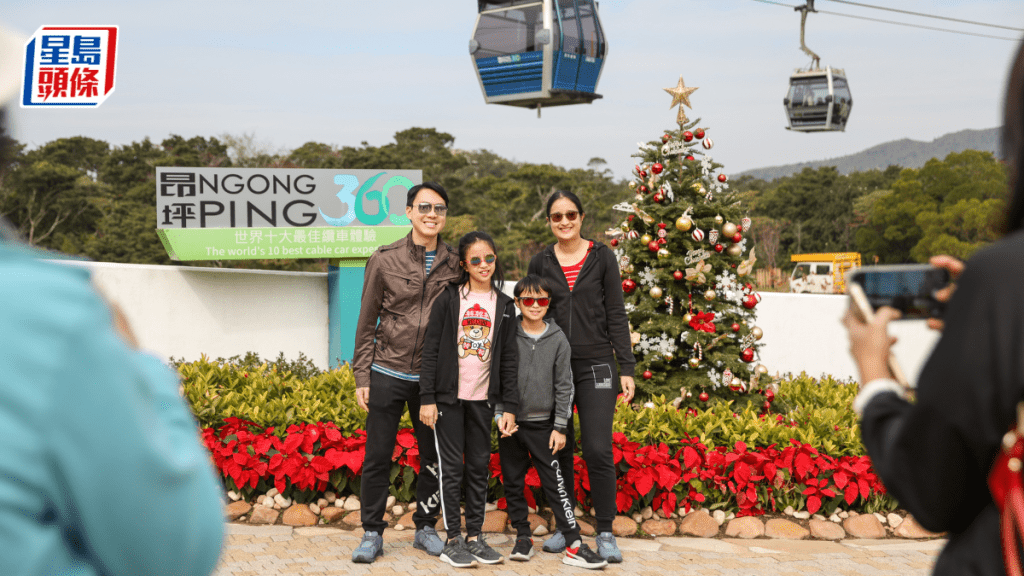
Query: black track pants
[516, 451]
[463, 434]
[597, 386]
[388, 399]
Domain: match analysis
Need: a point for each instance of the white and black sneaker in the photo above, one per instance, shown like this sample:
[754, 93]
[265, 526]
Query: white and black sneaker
[523, 550]
[580, 555]
[456, 554]
[482, 552]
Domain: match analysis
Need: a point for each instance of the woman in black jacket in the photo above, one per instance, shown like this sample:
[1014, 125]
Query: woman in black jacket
[587, 304]
[935, 454]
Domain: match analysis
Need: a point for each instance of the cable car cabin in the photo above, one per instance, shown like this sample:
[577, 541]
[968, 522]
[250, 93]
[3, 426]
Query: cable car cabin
[534, 53]
[818, 100]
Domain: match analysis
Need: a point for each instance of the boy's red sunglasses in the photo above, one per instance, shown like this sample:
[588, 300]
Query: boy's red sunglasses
[540, 301]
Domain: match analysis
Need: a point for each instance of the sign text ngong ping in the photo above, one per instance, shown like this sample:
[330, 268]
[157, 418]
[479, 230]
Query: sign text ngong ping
[262, 213]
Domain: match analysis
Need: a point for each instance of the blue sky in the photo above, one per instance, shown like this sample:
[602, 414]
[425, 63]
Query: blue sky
[347, 71]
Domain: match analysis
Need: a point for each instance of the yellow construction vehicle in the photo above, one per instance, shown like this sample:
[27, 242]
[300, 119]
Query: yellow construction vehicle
[823, 273]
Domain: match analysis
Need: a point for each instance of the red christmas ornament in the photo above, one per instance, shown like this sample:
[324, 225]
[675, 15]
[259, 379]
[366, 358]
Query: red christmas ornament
[737, 238]
[735, 325]
[766, 407]
[739, 228]
[704, 396]
[722, 178]
[719, 247]
[658, 196]
[628, 285]
[769, 395]
[653, 246]
[614, 242]
[662, 225]
[691, 411]
[657, 168]
[749, 301]
[665, 138]
[690, 158]
[678, 275]
[644, 189]
[643, 174]
[699, 133]
[687, 136]
[630, 217]
[661, 241]
[747, 355]
[648, 375]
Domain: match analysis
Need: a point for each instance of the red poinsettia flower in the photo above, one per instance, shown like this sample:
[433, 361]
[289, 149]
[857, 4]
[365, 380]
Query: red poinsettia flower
[703, 321]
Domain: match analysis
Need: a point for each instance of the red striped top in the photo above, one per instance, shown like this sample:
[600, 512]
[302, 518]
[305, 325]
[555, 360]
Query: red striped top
[572, 272]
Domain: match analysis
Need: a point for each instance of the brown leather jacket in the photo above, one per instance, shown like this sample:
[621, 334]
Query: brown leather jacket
[397, 291]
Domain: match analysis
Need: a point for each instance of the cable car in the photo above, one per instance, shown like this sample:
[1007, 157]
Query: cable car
[538, 53]
[819, 99]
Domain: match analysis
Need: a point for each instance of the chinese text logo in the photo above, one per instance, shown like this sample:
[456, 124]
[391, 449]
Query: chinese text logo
[70, 66]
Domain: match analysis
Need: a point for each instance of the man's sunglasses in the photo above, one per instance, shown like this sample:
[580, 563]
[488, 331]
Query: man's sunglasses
[475, 260]
[570, 216]
[439, 209]
[542, 302]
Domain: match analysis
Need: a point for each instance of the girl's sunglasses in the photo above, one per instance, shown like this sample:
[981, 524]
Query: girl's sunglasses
[570, 216]
[542, 302]
[475, 260]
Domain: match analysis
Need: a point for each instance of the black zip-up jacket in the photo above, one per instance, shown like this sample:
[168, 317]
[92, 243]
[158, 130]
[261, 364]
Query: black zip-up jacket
[439, 372]
[593, 314]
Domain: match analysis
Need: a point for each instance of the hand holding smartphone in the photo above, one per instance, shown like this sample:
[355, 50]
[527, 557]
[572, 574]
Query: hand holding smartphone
[863, 310]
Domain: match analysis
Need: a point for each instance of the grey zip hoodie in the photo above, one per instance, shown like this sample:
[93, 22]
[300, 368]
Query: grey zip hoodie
[545, 377]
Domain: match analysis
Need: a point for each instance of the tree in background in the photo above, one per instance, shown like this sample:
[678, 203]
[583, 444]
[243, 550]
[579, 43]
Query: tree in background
[686, 269]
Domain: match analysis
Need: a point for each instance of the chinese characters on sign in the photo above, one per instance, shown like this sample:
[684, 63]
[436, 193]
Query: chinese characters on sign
[69, 66]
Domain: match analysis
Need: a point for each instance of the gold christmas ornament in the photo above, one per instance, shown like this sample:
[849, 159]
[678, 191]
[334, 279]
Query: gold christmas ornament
[628, 268]
[719, 220]
[646, 239]
[761, 369]
[709, 295]
[757, 333]
[687, 317]
[729, 230]
[632, 184]
[694, 362]
[684, 223]
[734, 250]
[656, 292]
[624, 226]
[736, 383]
[669, 357]
[663, 253]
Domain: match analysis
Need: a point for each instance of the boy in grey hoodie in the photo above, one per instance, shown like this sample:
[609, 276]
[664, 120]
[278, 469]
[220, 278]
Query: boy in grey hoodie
[545, 406]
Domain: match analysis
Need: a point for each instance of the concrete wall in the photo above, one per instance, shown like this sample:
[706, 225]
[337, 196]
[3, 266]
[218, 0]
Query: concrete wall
[184, 311]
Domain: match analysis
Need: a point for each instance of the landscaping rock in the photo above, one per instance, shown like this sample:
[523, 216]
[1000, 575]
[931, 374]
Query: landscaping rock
[699, 524]
[331, 497]
[638, 517]
[440, 522]
[314, 508]
[825, 530]
[352, 503]
[540, 531]
[397, 511]
[585, 528]
[299, 515]
[864, 526]
[746, 527]
[332, 514]
[623, 526]
[578, 512]
[788, 511]
[719, 516]
[495, 521]
[272, 492]
[647, 513]
[802, 515]
[881, 518]
[263, 515]
[844, 514]
[406, 520]
[909, 528]
[834, 518]
[234, 496]
[785, 529]
[322, 503]
[411, 507]
[490, 506]
[656, 527]
[894, 519]
[535, 521]
[391, 502]
[353, 519]
[236, 509]
[261, 498]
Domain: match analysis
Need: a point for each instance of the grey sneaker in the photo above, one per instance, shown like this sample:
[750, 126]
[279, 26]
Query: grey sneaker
[456, 554]
[555, 544]
[607, 547]
[370, 547]
[484, 553]
[428, 541]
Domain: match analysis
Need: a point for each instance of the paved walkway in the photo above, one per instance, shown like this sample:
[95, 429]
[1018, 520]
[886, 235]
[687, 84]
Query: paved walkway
[266, 550]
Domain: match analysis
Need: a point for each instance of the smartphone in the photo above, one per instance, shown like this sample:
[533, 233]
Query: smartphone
[909, 288]
[862, 309]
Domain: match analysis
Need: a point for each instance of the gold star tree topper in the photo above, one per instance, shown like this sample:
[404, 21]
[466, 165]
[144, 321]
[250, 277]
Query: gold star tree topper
[681, 95]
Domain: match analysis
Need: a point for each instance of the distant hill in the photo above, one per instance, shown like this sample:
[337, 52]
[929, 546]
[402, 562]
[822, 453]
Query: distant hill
[906, 152]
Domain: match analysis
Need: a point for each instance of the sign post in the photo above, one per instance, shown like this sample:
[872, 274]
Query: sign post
[288, 213]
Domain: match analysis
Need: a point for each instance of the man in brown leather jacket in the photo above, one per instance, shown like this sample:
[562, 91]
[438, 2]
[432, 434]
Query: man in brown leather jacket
[399, 287]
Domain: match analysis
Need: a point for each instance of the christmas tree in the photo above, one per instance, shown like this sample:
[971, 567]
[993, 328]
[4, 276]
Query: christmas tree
[687, 274]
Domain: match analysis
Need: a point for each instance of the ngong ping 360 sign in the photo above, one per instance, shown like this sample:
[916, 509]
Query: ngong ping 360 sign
[265, 213]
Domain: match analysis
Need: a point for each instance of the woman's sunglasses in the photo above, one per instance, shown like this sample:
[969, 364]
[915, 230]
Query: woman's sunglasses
[475, 260]
[542, 302]
[570, 216]
[439, 209]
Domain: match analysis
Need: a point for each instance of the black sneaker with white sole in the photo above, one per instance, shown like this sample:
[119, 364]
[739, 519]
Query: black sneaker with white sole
[456, 554]
[484, 553]
[523, 550]
[580, 555]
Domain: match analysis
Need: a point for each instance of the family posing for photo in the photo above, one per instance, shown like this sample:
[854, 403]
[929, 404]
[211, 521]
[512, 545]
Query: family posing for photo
[436, 334]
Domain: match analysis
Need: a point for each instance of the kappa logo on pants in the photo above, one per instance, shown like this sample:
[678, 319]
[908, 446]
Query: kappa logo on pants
[602, 376]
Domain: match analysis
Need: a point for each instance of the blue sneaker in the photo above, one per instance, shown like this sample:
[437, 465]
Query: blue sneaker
[607, 547]
[555, 544]
[370, 547]
[428, 541]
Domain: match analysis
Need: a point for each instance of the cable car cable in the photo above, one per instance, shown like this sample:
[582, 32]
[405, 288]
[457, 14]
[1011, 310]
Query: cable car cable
[929, 15]
[896, 23]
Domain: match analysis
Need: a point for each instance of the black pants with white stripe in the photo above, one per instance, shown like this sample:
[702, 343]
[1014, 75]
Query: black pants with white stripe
[463, 434]
[516, 451]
